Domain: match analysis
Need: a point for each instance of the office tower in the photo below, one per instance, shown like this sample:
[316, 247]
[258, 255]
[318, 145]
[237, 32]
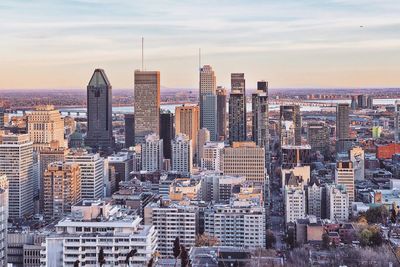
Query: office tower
[212, 154]
[100, 226]
[182, 154]
[99, 112]
[260, 125]
[123, 164]
[362, 101]
[147, 104]
[318, 137]
[357, 157]
[2, 118]
[46, 156]
[370, 102]
[92, 172]
[62, 189]
[354, 103]
[171, 221]
[4, 187]
[45, 125]
[344, 175]
[337, 203]
[208, 101]
[129, 129]
[397, 122]
[244, 159]
[290, 125]
[16, 162]
[342, 127]
[237, 109]
[314, 200]
[221, 112]
[152, 153]
[295, 203]
[221, 221]
[167, 132]
[187, 122]
[203, 136]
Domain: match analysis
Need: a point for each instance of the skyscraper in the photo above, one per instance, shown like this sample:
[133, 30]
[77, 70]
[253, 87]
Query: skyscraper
[45, 125]
[290, 125]
[203, 137]
[370, 102]
[221, 113]
[260, 121]
[210, 115]
[318, 137]
[92, 172]
[182, 154]
[152, 153]
[344, 175]
[99, 112]
[167, 132]
[207, 87]
[237, 109]
[397, 122]
[4, 187]
[187, 122]
[16, 162]
[147, 104]
[62, 189]
[129, 130]
[342, 127]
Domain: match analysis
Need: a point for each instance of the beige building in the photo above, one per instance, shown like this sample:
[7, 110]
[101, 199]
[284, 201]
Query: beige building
[45, 125]
[185, 188]
[344, 175]
[62, 189]
[147, 104]
[187, 121]
[302, 174]
[244, 159]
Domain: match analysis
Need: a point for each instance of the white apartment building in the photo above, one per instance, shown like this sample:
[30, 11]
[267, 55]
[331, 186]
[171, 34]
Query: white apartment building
[92, 172]
[238, 224]
[337, 201]
[152, 153]
[16, 162]
[95, 225]
[3, 219]
[172, 220]
[203, 136]
[357, 156]
[182, 155]
[217, 187]
[314, 198]
[295, 203]
[211, 159]
[344, 175]
[45, 125]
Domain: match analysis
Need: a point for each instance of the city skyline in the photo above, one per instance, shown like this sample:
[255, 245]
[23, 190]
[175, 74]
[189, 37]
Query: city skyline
[302, 44]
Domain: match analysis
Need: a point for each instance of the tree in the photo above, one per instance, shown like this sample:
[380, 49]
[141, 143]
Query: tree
[326, 241]
[206, 240]
[76, 263]
[176, 249]
[150, 263]
[291, 238]
[184, 257]
[130, 255]
[271, 239]
[393, 213]
[101, 258]
[364, 237]
[377, 214]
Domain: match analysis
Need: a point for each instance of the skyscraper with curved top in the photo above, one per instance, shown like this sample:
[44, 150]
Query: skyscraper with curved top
[99, 112]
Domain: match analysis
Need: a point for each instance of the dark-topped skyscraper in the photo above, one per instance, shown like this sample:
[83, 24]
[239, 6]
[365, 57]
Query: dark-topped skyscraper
[167, 132]
[99, 112]
[129, 129]
[260, 122]
[343, 140]
[237, 108]
[147, 104]
[221, 113]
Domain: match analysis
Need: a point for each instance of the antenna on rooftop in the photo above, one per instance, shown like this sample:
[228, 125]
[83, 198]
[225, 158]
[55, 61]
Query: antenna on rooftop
[199, 59]
[142, 53]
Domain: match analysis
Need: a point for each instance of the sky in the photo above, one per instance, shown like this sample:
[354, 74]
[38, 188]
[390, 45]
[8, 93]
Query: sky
[291, 43]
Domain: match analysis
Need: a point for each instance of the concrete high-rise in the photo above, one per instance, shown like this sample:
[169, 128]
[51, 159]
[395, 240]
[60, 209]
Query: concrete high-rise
[260, 120]
[182, 160]
[16, 162]
[4, 187]
[208, 100]
[129, 130]
[92, 172]
[342, 127]
[167, 132]
[221, 113]
[318, 137]
[62, 189]
[237, 109]
[147, 104]
[337, 202]
[212, 153]
[203, 136]
[152, 153]
[397, 122]
[45, 125]
[344, 175]
[290, 125]
[187, 121]
[99, 112]
[210, 116]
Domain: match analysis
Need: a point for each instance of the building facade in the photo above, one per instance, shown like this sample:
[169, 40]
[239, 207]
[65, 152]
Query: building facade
[182, 159]
[237, 109]
[152, 153]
